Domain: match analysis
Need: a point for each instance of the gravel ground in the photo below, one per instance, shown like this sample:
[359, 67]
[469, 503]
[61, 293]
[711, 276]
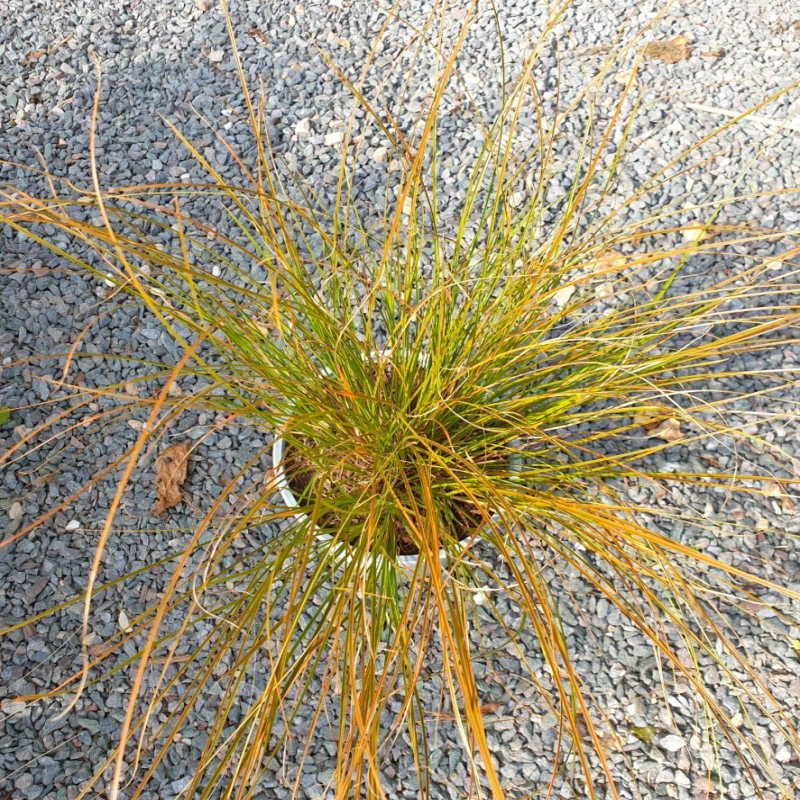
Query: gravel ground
[174, 60]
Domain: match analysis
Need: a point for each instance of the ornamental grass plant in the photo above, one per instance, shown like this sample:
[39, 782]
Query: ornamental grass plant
[494, 391]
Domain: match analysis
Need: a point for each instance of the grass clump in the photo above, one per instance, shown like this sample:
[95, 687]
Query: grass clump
[454, 386]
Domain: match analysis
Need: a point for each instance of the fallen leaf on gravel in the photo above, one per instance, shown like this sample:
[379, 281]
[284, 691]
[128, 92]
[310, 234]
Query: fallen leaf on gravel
[611, 260]
[33, 57]
[788, 505]
[100, 649]
[669, 430]
[670, 51]
[5, 415]
[658, 423]
[43, 480]
[713, 52]
[171, 468]
[259, 34]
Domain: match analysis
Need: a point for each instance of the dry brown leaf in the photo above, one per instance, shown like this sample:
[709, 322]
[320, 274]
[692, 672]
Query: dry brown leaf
[259, 34]
[100, 650]
[659, 423]
[33, 57]
[171, 468]
[712, 461]
[669, 430]
[610, 261]
[713, 52]
[670, 51]
[595, 51]
[788, 505]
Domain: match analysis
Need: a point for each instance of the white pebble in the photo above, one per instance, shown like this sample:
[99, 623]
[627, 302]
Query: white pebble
[681, 779]
[562, 296]
[694, 233]
[604, 291]
[672, 743]
[334, 138]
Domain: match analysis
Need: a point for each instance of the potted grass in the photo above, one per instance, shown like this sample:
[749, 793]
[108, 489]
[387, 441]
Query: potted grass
[458, 415]
[304, 480]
